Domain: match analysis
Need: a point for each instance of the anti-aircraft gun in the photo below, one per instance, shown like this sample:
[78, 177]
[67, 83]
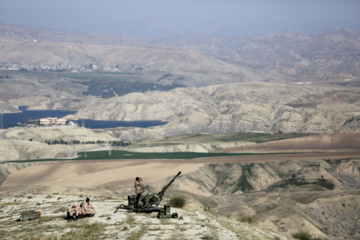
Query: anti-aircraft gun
[150, 203]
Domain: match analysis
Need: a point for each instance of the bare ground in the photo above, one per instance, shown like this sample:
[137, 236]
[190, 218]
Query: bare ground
[118, 173]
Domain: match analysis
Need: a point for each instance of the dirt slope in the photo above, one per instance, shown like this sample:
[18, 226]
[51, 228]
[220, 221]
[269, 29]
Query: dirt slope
[336, 143]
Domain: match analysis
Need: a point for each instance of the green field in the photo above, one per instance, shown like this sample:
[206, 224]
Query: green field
[221, 138]
[152, 155]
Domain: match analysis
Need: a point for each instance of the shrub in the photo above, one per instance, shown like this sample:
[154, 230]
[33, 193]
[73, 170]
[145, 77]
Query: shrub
[302, 235]
[248, 219]
[177, 201]
[210, 236]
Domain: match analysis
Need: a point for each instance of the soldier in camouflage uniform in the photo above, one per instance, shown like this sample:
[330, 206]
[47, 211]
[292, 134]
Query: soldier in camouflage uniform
[138, 190]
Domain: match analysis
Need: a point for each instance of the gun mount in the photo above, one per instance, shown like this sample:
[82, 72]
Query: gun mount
[150, 203]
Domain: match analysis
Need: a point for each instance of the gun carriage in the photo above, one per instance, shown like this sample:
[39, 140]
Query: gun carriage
[150, 203]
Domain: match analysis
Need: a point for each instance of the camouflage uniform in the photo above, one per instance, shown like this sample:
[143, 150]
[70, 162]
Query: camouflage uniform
[75, 209]
[138, 190]
[86, 208]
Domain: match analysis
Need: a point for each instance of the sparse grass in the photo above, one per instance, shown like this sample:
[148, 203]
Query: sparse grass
[137, 234]
[177, 236]
[86, 231]
[130, 219]
[177, 201]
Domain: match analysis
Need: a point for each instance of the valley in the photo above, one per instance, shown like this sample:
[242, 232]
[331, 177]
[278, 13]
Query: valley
[262, 127]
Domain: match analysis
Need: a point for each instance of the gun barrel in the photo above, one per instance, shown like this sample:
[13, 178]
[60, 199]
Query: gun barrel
[162, 192]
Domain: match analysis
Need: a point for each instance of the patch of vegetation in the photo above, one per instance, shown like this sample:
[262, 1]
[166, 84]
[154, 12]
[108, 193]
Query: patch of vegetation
[205, 201]
[112, 88]
[303, 235]
[248, 219]
[243, 184]
[210, 235]
[302, 105]
[177, 201]
[299, 182]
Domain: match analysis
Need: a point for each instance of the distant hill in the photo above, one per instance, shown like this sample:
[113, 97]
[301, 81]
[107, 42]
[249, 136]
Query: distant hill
[335, 51]
[191, 68]
[288, 56]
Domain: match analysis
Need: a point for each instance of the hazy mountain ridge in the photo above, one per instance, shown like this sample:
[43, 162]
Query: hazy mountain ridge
[335, 51]
[53, 35]
[195, 68]
[304, 53]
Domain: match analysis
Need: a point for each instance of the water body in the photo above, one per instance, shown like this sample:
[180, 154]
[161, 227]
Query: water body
[14, 119]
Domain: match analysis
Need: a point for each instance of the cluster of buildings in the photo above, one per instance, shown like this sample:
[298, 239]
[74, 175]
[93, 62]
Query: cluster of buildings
[49, 121]
[68, 67]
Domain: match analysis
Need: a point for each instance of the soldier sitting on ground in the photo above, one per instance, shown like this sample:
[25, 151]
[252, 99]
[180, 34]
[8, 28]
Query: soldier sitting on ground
[86, 208]
[75, 211]
[81, 210]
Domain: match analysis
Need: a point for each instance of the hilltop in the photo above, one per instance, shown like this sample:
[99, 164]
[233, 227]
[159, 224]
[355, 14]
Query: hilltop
[121, 225]
[314, 195]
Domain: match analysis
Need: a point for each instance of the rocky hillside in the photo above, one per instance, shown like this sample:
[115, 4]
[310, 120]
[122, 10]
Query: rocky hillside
[319, 195]
[235, 108]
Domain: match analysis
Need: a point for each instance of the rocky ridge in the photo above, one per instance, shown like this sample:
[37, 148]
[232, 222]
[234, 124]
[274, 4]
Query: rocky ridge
[234, 108]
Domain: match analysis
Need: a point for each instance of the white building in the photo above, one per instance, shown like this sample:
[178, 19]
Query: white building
[52, 121]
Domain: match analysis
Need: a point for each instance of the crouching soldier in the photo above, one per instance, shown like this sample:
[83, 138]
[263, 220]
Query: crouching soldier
[75, 212]
[87, 209]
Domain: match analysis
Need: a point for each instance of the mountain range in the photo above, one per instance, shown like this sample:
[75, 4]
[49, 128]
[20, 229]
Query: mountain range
[311, 81]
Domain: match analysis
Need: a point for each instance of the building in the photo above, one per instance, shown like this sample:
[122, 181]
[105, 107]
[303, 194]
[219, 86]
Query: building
[51, 121]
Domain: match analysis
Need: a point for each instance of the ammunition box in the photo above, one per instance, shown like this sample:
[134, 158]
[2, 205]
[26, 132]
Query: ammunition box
[29, 215]
[167, 211]
[131, 201]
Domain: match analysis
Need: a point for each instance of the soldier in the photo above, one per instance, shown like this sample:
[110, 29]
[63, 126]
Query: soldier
[138, 190]
[86, 208]
[75, 211]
